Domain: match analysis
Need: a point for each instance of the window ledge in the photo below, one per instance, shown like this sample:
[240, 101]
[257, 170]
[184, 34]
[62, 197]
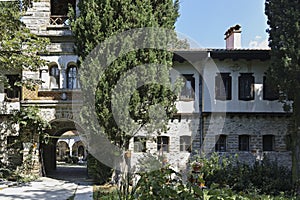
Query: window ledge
[12, 99]
[186, 99]
[59, 90]
[58, 27]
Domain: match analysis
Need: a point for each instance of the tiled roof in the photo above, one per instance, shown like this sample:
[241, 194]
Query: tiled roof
[221, 54]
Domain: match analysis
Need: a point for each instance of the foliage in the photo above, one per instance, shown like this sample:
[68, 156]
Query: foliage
[150, 104]
[31, 128]
[20, 49]
[164, 183]
[100, 20]
[31, 124]
[167, 184]
[284, 36]
[104, 192]
[99, 172]
[265, 177]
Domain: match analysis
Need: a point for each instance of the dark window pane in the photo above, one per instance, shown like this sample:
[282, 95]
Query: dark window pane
[244, 142]
[246, 87]
[268, 142]
[223, 86]
[72, 77]
[13, 92]
[221, 143]
[163, 143]
[185, 143]
[188, 89]
[61, 7]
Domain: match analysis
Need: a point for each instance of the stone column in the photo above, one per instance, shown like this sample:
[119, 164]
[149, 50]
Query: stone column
[71, 143]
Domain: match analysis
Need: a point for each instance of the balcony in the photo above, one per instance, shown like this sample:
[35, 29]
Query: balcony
[59, 23]
[60, 20]
[51, 95]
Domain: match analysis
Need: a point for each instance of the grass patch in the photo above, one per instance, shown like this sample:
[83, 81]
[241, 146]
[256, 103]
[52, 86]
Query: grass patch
[105, 192]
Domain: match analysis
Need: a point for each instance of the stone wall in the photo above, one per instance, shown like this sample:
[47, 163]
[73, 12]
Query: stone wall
[186, 125]
[37, 16]
[253, 125]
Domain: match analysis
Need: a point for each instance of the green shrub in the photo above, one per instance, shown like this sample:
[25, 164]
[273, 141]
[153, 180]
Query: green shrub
[264, 177]
[164, 184]
[99, 172]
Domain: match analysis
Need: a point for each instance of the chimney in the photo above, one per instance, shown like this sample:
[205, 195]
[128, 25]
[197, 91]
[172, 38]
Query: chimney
[233, 37]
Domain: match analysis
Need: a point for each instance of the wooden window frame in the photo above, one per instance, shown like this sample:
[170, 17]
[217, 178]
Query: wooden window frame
[223, 86]
[246, 87]
[221, 143]
[184, 96]
[244, 142]
[163, 143]
[185, 143]
[268, 142]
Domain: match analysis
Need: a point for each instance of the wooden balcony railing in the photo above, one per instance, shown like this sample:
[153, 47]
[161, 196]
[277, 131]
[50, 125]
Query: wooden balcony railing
[57, 94]
[59, 20]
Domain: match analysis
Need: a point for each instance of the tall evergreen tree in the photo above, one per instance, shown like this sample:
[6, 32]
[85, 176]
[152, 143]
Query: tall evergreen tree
[19, 49]
[284, 36]
[100, 20]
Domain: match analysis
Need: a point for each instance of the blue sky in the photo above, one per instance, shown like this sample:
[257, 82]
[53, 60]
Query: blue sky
[206, 21]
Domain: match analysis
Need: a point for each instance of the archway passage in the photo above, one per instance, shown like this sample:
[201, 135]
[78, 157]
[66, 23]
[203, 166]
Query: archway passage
[64, 156]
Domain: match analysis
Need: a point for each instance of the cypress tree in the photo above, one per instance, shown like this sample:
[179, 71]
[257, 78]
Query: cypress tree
[284, 36]
[126, 43]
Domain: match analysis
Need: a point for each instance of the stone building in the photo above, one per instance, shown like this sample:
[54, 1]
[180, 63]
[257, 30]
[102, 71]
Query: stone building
[225, 104]
[234, 110]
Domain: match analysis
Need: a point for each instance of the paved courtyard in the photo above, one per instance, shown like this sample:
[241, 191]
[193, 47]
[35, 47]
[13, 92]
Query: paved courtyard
[65, 182]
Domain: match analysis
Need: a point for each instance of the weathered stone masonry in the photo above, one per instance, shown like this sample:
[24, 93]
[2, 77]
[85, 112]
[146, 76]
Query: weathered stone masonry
[253, 125]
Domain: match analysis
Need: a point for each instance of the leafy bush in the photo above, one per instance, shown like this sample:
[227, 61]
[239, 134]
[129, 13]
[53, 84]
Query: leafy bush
[164, 184]
[264, 177]
[99, 172]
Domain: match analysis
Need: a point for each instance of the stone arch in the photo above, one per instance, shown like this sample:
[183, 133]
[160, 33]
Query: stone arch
[72, 76]
[48, 151]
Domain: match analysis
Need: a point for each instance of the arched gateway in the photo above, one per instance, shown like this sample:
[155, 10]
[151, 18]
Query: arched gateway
[60, 130]
[60, 116]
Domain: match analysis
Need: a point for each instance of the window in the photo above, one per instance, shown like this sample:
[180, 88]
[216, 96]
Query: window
[188, 89]
[61, 7]
[163, 143]
[59, 11]
[270, 92]
[185, 143]
[13, 91]
[268, 142]
[72, 77]
[139, 144]
[223, 86]
[221, 143]
[244, 142]
[54, 76]
[246, 87]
